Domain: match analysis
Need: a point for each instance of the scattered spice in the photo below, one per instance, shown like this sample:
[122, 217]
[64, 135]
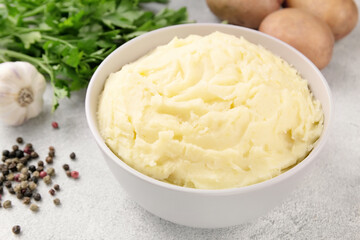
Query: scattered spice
[75, 174]
[11, 191]
[32, 186]
[32, 168]
[68, 173]
[19, 140]
[49, 159]
[16, 229]
[37, 197]
[52, 192]
[8, 184]
[27, 200]
[34, 207]
[40, 163]
[55, 125]
[57, 201]
[51, 154]
[42, 174]
[7, 204]
[47, 179]
[15, 147]
[57, 187]
[66, 167]
[34, 155]
[72, 155]
[51, 171]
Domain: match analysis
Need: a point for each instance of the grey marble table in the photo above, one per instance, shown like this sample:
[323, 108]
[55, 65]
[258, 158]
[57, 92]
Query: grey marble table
[325, 206]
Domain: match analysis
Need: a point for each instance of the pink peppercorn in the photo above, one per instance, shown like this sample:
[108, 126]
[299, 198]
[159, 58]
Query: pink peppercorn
[42, 174]
[55, 125]
[16, 177]
[75, 174]
[27, 150]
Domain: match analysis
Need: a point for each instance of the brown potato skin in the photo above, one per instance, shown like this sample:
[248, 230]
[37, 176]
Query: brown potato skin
[341, 15]
[247, 13]
[303, 31]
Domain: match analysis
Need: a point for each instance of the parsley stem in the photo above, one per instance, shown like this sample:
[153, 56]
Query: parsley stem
[27, 58]
[34, 11]
[57, 40]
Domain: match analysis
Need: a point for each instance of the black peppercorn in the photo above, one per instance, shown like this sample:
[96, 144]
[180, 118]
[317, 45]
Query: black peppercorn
[49, 160]
[28, 193]
[8, 184]
[37, 197]
[23, 160]
[1, 190]
[12, 154]
[57, 187]
[40, 163]
[66, 167]
[11, 191]
[19, 140]
[19, 153]
[16, 229]
[40, 168]
[32, 168]
[6, 153]
[72, 155]
[34, 179]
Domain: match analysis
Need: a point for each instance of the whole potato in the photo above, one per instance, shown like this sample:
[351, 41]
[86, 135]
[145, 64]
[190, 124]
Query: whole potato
[340, 15]
[303, 31]
[247, 13]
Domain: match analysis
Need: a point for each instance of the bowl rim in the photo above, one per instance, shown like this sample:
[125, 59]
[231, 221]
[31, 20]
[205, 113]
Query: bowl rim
[92, 123]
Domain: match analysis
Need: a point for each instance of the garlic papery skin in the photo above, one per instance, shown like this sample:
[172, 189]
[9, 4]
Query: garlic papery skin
[21, 92]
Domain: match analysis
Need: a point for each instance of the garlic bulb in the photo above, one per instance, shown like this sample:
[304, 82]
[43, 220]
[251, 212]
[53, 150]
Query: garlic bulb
[21, 91]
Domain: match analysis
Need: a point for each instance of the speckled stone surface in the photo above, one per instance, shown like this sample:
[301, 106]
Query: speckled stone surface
[325, 206]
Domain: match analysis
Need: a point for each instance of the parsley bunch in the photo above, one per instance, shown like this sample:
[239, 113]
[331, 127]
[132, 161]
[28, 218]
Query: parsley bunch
[67, 40]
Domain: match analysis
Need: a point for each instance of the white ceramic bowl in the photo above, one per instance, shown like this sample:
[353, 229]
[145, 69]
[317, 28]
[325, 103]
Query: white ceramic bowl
[196, 207]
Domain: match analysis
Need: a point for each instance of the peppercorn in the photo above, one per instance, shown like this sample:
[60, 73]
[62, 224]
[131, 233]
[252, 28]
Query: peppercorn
[55, 125]
[42, 174]
[37, 196]
[11, 190]
[5, 153]
[72, 155]
[23, 160]
[51, 154]
[1, 190]
[28, 193]
[47, 180]
[49, 160]
[12, 167]
[23, 177]
[40, 163]
[34, 207]
[7, 204]
[52, 192]
[26, 200]
[32, 168]
[40, 168]
[19, 195]
[51, 148]
[34, 179]
[19, 140]
[66, 167]
[68, 173]
[57, 201]
[36, 174]
[15, 147]
[32, 186]
[10, 177]
[7, 184]
[50, 171]
[17, 188]
[24, 170]
[57, 187]
[12, 154]
[19, 166]
[16, 229]
[24, 184]
[19, 153]
[34, 155]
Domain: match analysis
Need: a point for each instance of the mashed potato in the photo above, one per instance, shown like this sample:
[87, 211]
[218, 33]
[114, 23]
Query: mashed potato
[209, 112]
